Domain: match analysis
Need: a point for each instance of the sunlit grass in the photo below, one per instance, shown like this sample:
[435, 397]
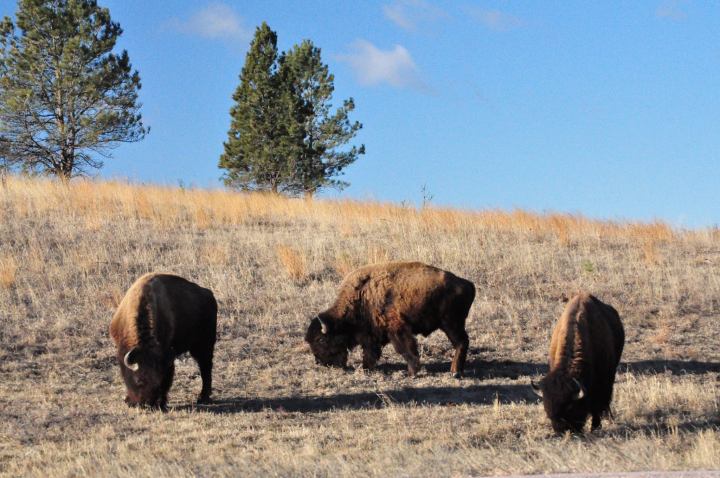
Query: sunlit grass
[68, 253]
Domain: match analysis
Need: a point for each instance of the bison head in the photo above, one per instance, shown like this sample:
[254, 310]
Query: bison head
[328, 343]
[563, 400]
[147, 374]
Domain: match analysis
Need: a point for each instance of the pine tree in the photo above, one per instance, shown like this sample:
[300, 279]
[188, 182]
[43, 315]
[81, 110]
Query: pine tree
[319, 157]
[65, 99]
[259, 142]
[283, 137]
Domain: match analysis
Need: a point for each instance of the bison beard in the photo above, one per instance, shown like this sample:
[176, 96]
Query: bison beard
[585, 351]
[391, 303]
[566, 409]
[148, 385]
[331, 350]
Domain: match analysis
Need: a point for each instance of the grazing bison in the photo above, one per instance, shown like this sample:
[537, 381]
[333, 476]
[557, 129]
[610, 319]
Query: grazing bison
[584, 353]
[161, 317]
[392, 303]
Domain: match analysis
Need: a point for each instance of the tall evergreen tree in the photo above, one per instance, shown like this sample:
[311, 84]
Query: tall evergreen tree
[283, 136]
[65, 99]
[319, 158]
[259, 143]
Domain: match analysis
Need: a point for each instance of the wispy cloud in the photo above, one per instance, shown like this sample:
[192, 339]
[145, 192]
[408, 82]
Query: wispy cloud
[374, 66]
[409, 14]
[215, 21]
[672, 9]
[495, 19]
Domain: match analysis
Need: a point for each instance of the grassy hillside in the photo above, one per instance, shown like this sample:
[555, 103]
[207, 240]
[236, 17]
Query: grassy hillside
[67, 254]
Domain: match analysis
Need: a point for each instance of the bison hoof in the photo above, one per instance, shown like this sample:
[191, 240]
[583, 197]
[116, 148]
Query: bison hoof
[204, 400]
[457, 375]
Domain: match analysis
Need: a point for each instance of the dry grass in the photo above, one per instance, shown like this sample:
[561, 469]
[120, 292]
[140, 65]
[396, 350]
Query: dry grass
[8, 271]
[273, 263]
[650, 252]
[293, 261]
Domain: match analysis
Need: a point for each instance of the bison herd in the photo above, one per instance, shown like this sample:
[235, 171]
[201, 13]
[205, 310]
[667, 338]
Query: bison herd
[162, 316]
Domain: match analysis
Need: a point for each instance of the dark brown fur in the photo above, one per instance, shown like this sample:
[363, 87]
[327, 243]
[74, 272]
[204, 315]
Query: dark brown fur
[392, 303]
[161, 317]
[585, 350]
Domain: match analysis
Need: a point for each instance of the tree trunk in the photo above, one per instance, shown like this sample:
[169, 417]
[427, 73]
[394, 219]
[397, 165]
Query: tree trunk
[65, 169]
[309, 194]
[64, 177]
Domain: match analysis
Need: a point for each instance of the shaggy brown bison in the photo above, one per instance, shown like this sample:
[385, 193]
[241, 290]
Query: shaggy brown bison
[392, 303]
[584, 353]
[161, 317]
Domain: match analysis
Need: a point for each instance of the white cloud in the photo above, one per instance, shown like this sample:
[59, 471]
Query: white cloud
[408, 14]
[495, 19]
[671, 9]
[374, 66]
[216, 21]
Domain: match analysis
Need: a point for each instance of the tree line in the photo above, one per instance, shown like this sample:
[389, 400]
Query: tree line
[67, 100]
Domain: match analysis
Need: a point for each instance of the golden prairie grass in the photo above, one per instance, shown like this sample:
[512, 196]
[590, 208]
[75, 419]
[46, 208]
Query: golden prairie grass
[293, 262]
[650, 251]
[663, 335]
[211, 208]
[561, 229]
[345, 264]
[8, 271]
[378, 255]
[273, 263]
[216, 253]
[111, 298]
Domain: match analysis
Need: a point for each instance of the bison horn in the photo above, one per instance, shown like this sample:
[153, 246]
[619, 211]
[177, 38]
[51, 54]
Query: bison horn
[536, 388]
[132, 366]
[581, 390]
[323, 326]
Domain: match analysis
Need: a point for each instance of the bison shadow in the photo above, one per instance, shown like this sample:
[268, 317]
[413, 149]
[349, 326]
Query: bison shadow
[447, 396]
[658, 429]
[478, 369]
[652, 430]
[481, 394]
[486, 369]
[675, 367]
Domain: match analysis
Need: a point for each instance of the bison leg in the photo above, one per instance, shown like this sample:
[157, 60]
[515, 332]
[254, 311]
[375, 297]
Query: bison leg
[371, 355]
[406, 345]
[459, 340]
[596, 425]
[204, 361]
[165, 387]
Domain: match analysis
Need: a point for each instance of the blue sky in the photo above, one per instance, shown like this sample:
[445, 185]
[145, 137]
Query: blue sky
[608, 109]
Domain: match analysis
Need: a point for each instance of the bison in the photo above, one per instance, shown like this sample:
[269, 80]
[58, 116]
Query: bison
[584, 353]
[393, 302]
[161, 317]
